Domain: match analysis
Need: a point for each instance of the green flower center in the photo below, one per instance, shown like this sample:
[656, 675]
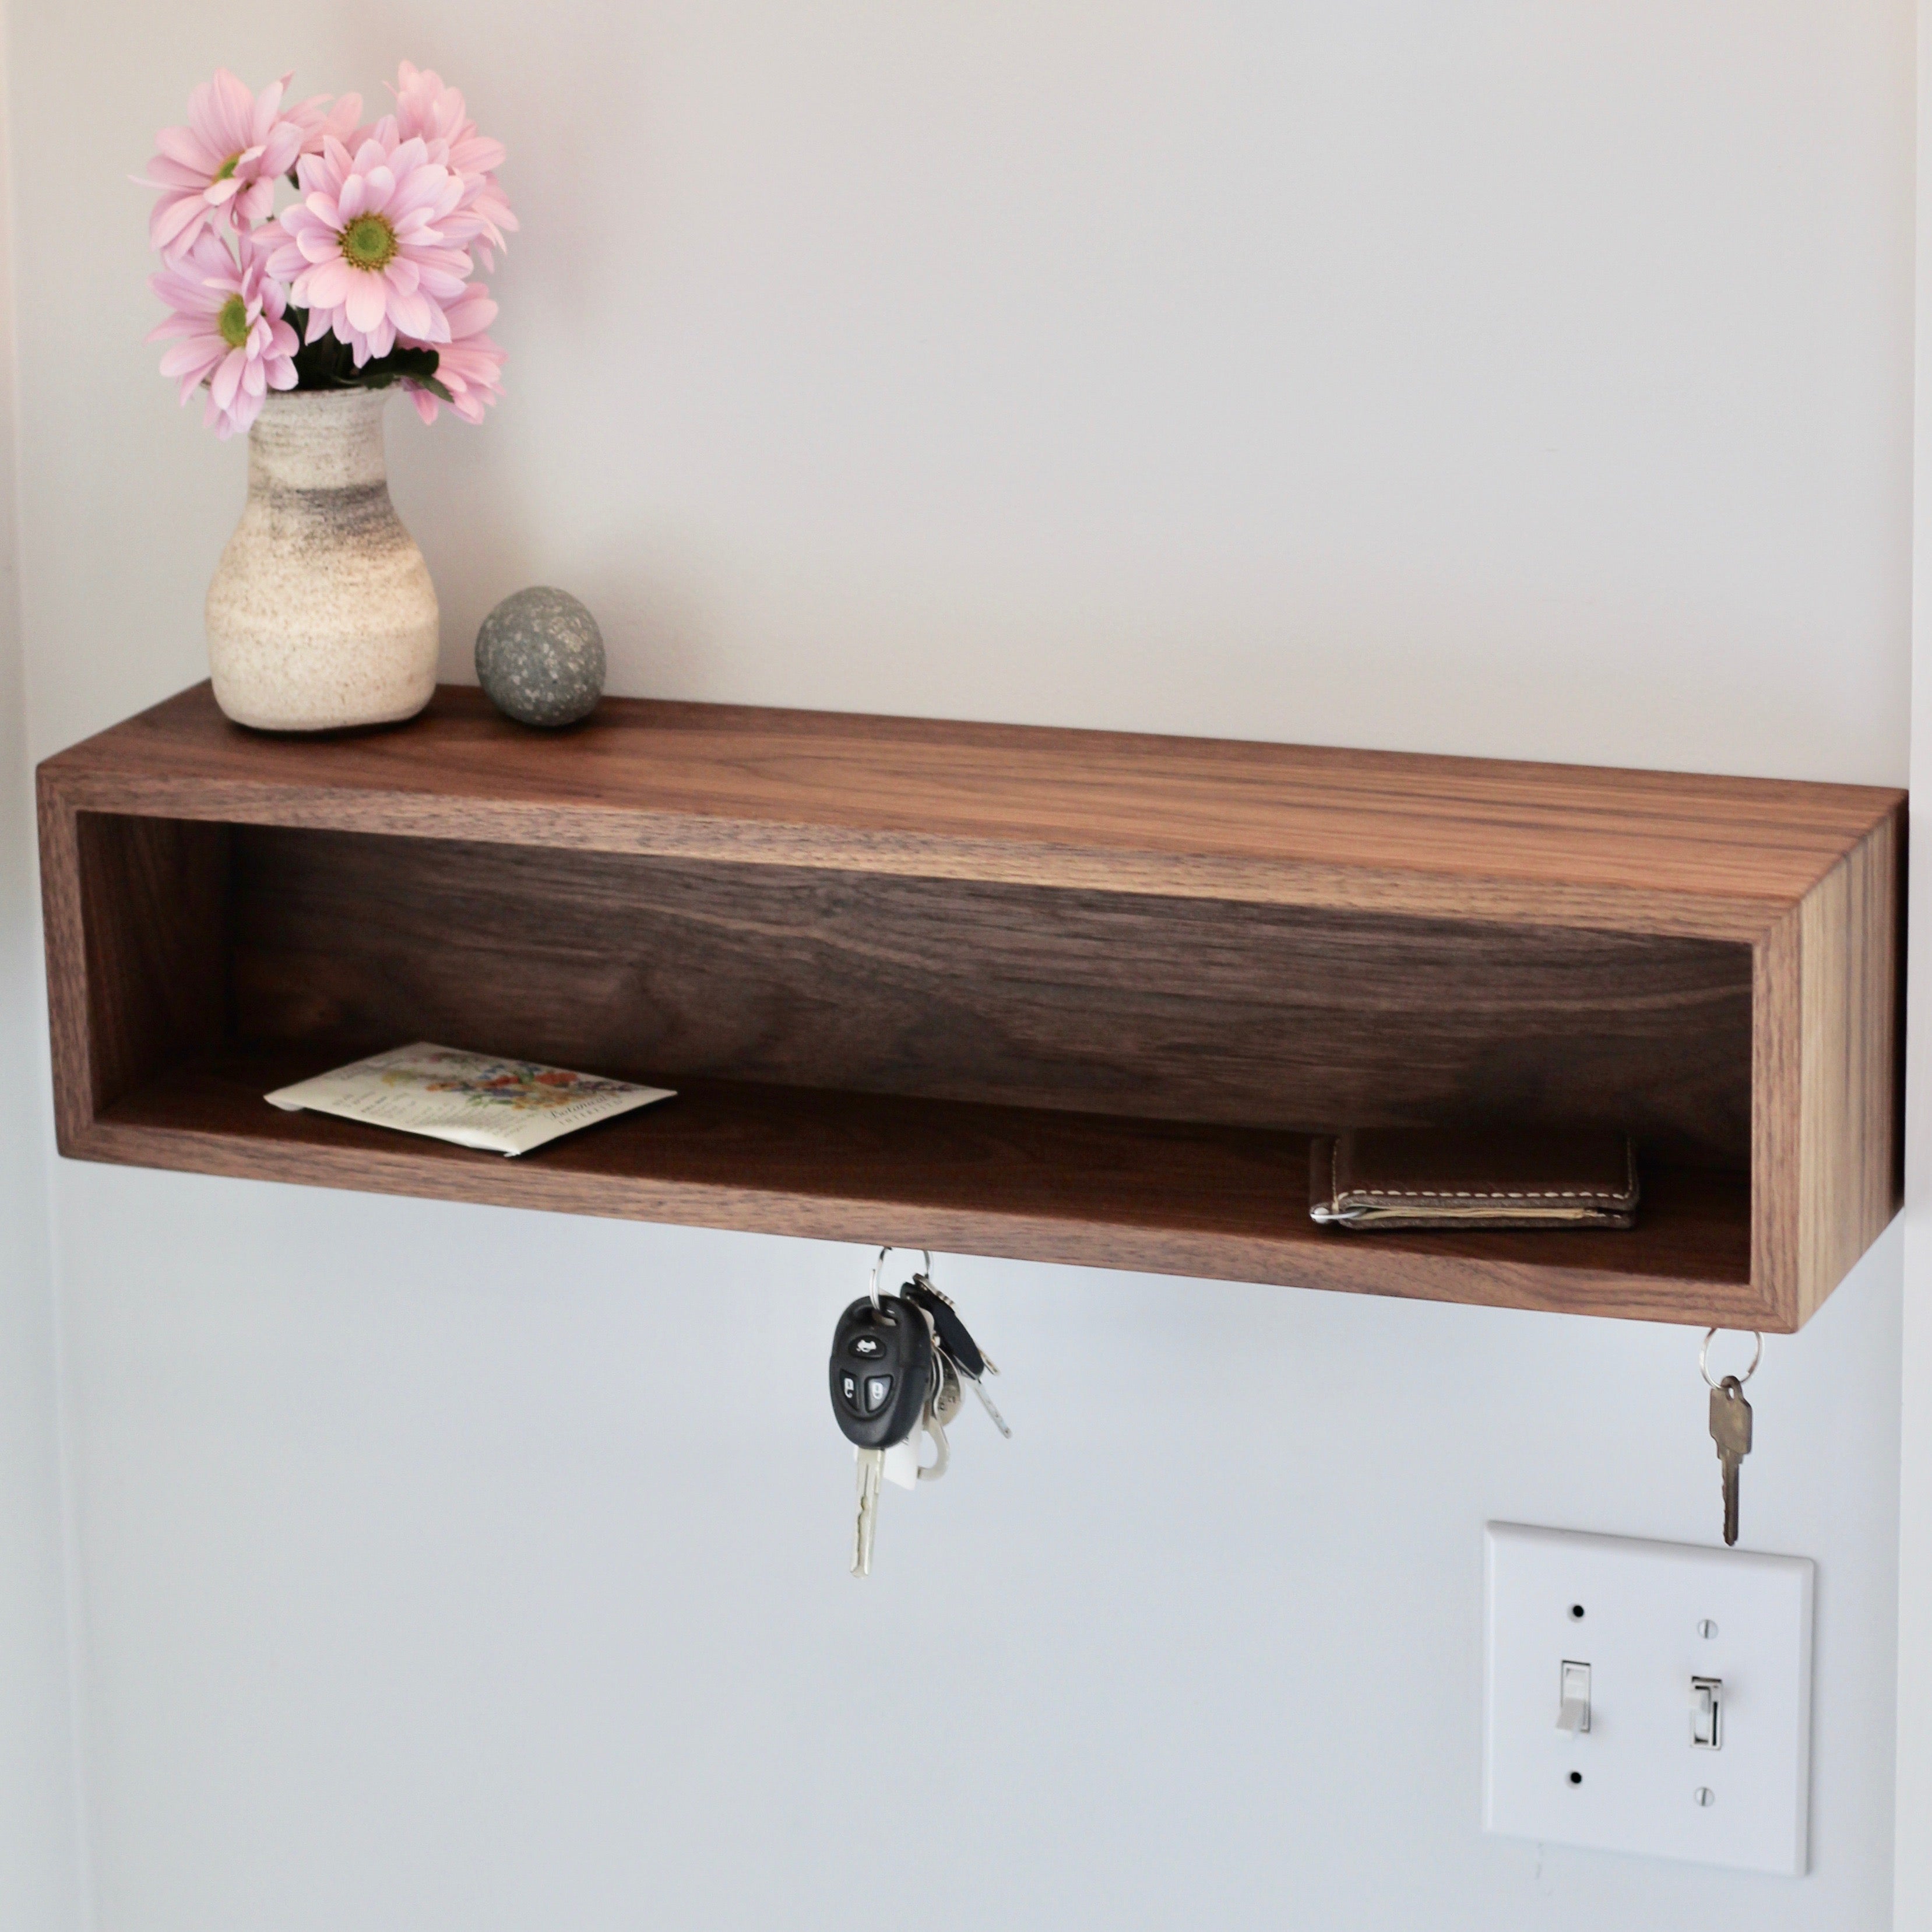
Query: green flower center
[233, 322]
[369, 242]
[226, 171]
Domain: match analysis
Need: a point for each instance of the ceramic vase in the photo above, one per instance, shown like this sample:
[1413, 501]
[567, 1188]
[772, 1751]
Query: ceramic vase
[322, 614]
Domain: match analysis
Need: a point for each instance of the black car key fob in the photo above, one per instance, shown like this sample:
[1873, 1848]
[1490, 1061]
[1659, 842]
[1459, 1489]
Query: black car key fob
[953, 1336]
[881, 1370]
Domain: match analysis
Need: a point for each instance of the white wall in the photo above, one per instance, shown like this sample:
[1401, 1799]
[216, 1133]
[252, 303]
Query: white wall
[1913, 1873]
[41, 1879]
[1518, 379]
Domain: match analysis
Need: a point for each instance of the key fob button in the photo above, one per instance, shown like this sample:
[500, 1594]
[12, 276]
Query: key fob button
[888, 1380]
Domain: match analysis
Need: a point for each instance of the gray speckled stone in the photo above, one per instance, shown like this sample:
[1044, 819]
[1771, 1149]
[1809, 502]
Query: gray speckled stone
[540, 657]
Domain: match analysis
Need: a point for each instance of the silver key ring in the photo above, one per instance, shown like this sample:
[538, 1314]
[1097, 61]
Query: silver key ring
[1704, 1356]
[881, 1263]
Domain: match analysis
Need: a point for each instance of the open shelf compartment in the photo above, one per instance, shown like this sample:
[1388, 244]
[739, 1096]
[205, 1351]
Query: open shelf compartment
[1064, 996]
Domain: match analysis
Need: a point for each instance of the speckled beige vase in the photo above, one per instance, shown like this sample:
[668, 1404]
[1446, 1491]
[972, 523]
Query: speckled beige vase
[322, 614]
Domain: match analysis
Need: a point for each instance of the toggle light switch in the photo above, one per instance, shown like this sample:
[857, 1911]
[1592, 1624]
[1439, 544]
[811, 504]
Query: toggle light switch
[1685, 1645]
[1707, 1713]
[1573, 1709]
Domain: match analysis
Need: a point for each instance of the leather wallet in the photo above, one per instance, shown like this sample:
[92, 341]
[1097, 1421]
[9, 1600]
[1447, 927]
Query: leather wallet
[1473, 1177]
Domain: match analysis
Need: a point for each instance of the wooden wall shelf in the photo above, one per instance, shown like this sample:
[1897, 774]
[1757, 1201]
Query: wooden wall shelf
[1070, 996]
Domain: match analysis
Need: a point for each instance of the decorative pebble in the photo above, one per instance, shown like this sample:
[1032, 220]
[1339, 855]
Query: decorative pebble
[540, 657]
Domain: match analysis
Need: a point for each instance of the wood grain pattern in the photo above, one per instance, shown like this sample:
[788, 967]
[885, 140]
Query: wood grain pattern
[1850, 1135]
[64, 935]
[1654, 852]
[1064, 994]
[1165, 1197]
[1183, 1009]
[136, 944]
[1778, 1057]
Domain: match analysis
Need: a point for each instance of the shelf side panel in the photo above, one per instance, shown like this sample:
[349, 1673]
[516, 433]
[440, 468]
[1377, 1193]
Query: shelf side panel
[152, 898]
[63, 933]
[1776, 1062]
[1850, 1128]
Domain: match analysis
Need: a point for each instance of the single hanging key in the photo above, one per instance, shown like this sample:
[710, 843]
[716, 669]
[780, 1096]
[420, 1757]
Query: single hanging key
[1730, 1424]
[881, 1373]
[1731, 1431]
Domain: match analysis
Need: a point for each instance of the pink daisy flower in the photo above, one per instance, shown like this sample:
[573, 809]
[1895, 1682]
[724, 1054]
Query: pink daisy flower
[363, 251]
[317, 118]
[425, 107]
[469, 365]
[229, 333]
[222, 166]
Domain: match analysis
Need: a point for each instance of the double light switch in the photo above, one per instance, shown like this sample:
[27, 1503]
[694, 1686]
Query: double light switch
[1649, 1697]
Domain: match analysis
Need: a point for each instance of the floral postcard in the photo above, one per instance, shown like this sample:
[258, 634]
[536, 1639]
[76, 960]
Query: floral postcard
[476, 1100]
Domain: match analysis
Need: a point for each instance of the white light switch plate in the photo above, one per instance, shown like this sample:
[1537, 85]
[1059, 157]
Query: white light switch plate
[1633, 1781]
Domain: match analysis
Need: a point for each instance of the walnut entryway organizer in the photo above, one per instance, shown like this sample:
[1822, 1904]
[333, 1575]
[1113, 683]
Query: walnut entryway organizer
[1071, 996]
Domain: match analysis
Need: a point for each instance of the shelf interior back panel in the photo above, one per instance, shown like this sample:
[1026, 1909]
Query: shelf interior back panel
[1187, 1009]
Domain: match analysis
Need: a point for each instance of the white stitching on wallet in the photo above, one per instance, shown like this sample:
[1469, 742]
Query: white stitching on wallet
[1481, 1193]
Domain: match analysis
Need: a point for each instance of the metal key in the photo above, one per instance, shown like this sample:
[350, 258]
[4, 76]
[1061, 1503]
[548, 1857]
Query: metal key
[882, 1371]
[871, 1462]
[1731, 1431]
[968, 1360]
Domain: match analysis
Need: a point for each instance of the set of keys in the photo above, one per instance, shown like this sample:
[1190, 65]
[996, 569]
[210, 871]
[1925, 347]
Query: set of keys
[900, 1364]
[1730, 1424]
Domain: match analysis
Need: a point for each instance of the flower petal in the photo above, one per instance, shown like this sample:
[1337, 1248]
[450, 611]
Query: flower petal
[233, 109]
[329, 282]
[172, 221]
[198, 352]
[183, 146]
[367, 301]
[416, 315]
[222, 384]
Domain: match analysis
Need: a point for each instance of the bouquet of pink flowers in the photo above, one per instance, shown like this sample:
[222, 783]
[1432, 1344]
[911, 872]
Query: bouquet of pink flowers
[363, 282]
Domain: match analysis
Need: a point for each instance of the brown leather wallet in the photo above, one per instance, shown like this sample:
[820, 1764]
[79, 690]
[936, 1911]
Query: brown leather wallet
[1473, 1177]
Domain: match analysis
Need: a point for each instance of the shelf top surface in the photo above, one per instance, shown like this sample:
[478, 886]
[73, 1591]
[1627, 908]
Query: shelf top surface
[1458, 836]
